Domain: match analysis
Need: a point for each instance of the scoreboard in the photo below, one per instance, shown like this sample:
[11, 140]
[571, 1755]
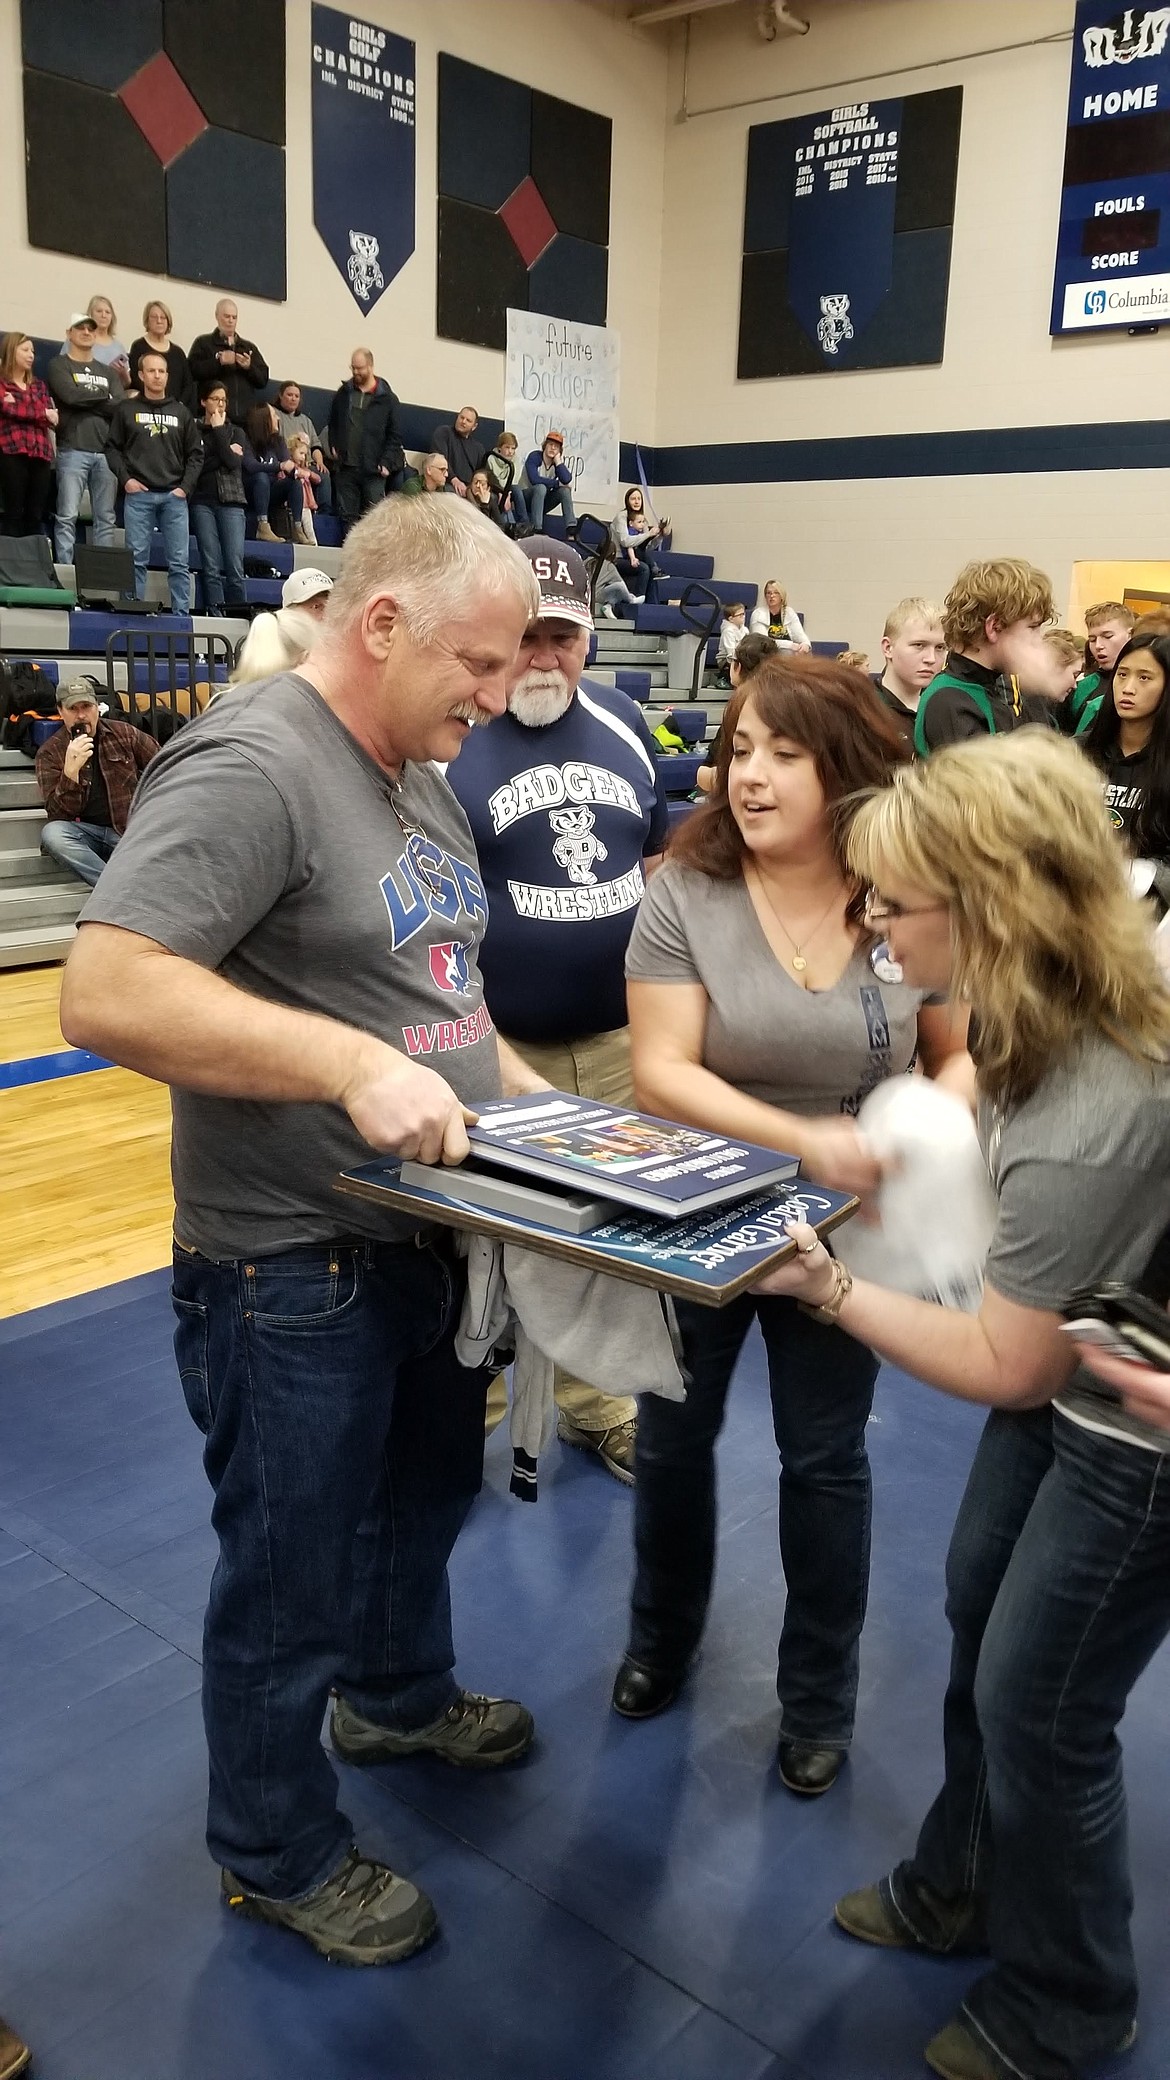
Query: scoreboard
[1113, 247]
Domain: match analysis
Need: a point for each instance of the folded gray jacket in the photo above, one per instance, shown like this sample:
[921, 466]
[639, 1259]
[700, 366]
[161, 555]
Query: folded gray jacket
[619, 1337]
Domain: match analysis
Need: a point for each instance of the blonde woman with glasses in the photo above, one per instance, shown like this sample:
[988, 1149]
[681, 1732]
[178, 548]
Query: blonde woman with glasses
[1000, 880]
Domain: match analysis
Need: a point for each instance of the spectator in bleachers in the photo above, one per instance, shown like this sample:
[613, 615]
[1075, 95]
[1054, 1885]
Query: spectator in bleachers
[430, 476]
[87, 772]
[273, 484]
[464, 451]
[86, 393]
[993, 616]
[774, 617]
[915, 651]
[751, 653]
[310, 480]
[293, 421]
[1108, 627]
[27, 417]
[219, 505]
[566, 805]
[480, 493]
[281, 642]
[611, 591]
[156, 453]
[364, 440]
[501, 468]
[637, 535]
[1130, 740]
[157, 328]
[758, 1008]
[237, 361]
[732, 631]
[857, 660]
[107, 348]
[546, 483]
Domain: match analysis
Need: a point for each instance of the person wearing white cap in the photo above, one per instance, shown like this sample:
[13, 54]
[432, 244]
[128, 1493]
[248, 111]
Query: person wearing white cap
[280, 642]
[85, 393]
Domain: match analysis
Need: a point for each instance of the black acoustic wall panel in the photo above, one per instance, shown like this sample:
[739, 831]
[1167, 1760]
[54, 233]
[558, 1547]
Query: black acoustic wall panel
[181, 107]
[904, 323]
[523, 205]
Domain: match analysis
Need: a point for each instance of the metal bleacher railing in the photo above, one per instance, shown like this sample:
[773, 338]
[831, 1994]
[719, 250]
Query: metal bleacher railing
[164, 674]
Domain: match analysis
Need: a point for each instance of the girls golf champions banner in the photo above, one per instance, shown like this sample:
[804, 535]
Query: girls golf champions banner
[363, 149]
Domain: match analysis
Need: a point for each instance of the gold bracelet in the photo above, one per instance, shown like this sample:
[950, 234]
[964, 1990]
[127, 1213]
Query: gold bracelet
[843, 1286]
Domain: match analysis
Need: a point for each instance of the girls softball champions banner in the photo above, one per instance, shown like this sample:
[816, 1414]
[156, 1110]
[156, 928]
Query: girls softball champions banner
[363, 150]
[1113, 248]
[559, 374]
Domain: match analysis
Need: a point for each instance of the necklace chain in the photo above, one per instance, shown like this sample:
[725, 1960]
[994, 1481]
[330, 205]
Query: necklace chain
[798, 961]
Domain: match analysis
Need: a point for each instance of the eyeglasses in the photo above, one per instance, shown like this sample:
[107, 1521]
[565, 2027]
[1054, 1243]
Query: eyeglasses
[878, 910]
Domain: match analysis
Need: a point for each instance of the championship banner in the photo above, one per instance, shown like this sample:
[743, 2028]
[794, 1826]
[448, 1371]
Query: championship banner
[563, 375]
[847, 229]
[841, 226]
[363, 150]
[1113, 247]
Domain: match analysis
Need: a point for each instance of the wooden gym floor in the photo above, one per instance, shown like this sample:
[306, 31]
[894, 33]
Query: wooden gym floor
[85, 1187]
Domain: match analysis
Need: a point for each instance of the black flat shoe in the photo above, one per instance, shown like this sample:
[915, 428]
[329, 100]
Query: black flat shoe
[808, 1769]
[638, 1693]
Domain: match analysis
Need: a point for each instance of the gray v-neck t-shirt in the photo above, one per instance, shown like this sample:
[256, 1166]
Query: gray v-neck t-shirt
[811, 1052]
[264, 844]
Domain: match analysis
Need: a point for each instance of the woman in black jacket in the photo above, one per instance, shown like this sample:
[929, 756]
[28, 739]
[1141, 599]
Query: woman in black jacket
[218, 505]
[272, 476]
[157, 326]
[1130, 740]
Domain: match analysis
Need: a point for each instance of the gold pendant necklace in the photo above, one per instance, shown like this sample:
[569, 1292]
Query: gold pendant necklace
[798, 962]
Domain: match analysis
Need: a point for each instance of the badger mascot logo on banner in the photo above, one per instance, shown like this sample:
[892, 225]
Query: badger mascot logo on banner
[1134, 34]
[363, 270]
[834, 326]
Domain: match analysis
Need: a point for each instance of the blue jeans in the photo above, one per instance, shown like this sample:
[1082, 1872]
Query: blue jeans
[82, 847]
[75, 471]
[1058, 1595]
[821, 1385]
[546, 498]
[270, 493]
[345, 1447]
[142, 512]
[638, 568]
[219, 531]
[518, 513]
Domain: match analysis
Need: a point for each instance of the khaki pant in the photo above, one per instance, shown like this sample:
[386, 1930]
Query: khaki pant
[596, 1068]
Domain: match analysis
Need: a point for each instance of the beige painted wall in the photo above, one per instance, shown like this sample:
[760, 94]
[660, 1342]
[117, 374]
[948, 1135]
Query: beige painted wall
[578, 52]
[847, 550]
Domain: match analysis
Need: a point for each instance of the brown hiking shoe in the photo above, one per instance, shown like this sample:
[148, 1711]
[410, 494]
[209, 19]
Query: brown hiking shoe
[473, 1733]
[14, 2055]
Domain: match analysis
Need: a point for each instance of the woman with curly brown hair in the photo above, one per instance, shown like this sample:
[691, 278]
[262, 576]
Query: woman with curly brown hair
[761, 1005]
[1000, 880]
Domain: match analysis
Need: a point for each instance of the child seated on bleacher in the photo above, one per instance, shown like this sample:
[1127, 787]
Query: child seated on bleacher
[732, 631]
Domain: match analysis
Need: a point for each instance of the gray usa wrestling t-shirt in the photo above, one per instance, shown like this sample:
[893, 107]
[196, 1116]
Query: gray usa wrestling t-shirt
[264, 844]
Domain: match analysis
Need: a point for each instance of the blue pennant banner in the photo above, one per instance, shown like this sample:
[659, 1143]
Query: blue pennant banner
[841, 228]
[363, 150]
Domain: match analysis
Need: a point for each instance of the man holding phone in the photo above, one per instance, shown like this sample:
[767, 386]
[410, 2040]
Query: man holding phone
[237, 363]
[87, 773]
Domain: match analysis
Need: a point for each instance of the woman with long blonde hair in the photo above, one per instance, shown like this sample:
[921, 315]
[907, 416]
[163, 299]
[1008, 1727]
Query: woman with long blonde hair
[1000, 880]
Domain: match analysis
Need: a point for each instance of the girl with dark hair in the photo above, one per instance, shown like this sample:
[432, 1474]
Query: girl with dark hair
[762, 1007]
[636, 533]
[1130, 740]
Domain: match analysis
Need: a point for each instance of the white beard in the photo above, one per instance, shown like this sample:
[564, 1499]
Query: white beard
[540, 698]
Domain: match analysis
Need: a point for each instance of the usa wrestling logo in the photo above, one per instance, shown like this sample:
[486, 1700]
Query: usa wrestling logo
[449, 969]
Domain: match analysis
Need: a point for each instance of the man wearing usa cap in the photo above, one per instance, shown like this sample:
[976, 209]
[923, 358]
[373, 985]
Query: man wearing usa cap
[568, 813]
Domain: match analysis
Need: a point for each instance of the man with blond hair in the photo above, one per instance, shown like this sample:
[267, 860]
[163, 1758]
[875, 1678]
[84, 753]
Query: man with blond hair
[915, 650]
[993, 616]
[287, 935]
[1108, 628]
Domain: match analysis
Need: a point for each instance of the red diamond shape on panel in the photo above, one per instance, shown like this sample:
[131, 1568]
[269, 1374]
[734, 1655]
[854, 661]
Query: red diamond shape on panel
[164, 108]
[526, 215]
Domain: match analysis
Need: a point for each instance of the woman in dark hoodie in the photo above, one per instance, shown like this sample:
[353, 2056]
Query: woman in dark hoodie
[1130, 740]
[218, 505]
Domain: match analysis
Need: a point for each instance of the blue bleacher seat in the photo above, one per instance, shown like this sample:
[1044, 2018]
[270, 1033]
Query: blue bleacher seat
[679, 770]
[88, 630]
[721, 587]
[833, 649]
[677, 812]
[635, 684]
[672, 565]
[263, 592]
[661, 621]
